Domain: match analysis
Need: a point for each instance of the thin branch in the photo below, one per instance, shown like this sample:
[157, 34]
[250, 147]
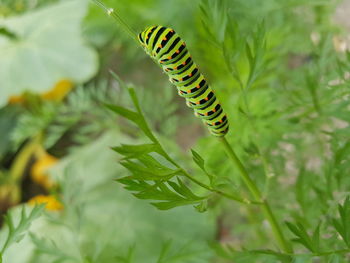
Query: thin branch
[257, 195]
[111, 12]
[229, 196]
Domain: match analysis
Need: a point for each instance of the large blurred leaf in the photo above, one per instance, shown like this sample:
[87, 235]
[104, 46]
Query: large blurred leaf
[45, 47]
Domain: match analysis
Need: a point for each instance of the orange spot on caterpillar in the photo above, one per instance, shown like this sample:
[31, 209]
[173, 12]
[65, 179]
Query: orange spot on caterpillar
[164, 38]
[169, 57]
[175, 68]
[197, 102]
[188, 91]
[190, 75]
[206, 114]
[160, 46]
[214, 110]
[220, 121]
[197, 86]
[177, 51]
[184, 63]
[206, 99]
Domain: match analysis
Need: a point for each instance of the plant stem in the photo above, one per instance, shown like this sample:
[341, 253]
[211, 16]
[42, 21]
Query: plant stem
[111, 12]
[257, 195]
[232, 197]
[318, 254]
[315, 101]
[22, 158]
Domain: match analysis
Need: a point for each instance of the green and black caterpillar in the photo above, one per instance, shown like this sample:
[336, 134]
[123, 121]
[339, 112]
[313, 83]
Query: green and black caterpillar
[170, 52]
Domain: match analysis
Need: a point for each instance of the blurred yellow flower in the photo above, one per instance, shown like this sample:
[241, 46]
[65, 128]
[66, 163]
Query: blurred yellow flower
[52, 204]
[60, 90]
[16, 99]
[39, 170]
[57, 93]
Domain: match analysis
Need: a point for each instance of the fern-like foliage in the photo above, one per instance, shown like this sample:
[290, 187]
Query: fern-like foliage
[342, 225]
[154, 174]
[74, 115]
[311, 242]
[49, 247]
[17, 232]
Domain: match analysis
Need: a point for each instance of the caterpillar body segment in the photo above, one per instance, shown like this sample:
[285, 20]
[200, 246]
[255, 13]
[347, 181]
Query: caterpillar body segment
[166, 47]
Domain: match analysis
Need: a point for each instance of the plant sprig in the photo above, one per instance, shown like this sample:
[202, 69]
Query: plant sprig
[17, 232]
[153, 170]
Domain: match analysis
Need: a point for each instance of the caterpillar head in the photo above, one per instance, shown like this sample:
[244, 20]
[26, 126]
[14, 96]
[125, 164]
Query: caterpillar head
[141, 38]
[144, 35]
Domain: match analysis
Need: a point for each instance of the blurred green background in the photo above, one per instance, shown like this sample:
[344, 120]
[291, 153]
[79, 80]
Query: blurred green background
[289, 121]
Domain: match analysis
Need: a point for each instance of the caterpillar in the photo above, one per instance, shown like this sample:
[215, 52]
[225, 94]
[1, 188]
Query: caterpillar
[170, 52]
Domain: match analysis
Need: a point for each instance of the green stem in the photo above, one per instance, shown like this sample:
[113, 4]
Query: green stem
[318, 254]
[111, 12]
[22, 158]
[247, 180]
[257, 195]
[232, 197]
